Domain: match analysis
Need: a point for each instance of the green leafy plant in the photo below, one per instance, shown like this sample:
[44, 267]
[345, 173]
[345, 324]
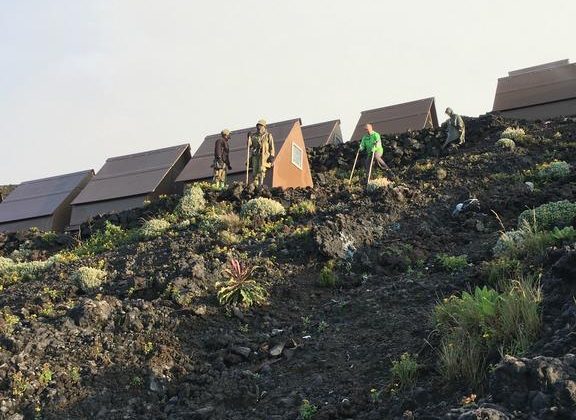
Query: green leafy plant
[307, 410]
[240, 288]
[506, 144]
[476, 324]
[453, 263]
[328, 276]
[7, 321]
[45, 375]
[74, 374]
[19, 385]
[405, 371]
[111, 237]
[153, 228]
[516, 134]
[263, 208]
[550, 215]
[89, 278]
[193, 202]
[12, 272]
[501, 270]
[303, 208]
[552, 170]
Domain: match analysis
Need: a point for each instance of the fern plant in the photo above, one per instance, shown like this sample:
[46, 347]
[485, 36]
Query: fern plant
[240, 288]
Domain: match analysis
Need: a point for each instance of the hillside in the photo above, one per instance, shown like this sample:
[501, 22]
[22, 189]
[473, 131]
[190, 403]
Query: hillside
[353, 276]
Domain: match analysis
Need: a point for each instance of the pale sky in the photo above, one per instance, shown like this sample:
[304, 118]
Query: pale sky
[84, 80]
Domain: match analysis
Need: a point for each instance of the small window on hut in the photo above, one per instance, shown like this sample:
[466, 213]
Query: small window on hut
[297, 156]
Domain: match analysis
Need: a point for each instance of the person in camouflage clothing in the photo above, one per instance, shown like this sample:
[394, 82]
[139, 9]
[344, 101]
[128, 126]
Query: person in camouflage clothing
[262, 153]
[456, 128]
[221, 158]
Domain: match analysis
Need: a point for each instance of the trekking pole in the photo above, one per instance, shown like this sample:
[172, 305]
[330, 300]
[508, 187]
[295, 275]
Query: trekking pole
[370, 170]
[354, 166]
[248, 160]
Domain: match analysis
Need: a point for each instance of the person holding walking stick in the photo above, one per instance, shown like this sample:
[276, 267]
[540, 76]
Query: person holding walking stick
[372, 145]
[261, 152]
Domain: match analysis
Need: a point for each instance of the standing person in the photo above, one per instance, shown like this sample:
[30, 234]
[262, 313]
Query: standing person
[221, 158]
[456, 128]
[371, 143]
[262, 153]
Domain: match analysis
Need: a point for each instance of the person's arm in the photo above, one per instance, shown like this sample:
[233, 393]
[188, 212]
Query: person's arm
[218, 150]
[377, 141]
[362, 144]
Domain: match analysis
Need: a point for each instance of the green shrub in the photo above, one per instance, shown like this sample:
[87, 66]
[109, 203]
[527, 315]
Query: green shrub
[307, 410]
[502, 270]
[193, 202]
[550, 215]
[154, 227]
[405, 371]
[230, 221]
[508, 241]
[378, 184]
[507, 144]
[553, 170]
[474, 325]
[13, 272]
[229, 238]
[88, 278]
[453, 263]
[513, 134]
[303, 208]
[328, 277]
[101, 241]
[7, 321]
[262, 208]
[240, 288]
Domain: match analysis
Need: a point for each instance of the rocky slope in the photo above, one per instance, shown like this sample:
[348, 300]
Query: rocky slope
[153, 342]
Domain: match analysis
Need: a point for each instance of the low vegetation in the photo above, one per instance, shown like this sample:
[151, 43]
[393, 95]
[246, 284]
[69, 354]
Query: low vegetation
[262, 208]
[88, 278]
[475, 325]
[512, 133]
[552, 171]
[452, 263]
[328, 276]
[378, 184]
[303, 208]
[240, 288]
[405, 371]
[307, 410]
[506, 144]
[193, 202]
[550, 215]
[153, 228]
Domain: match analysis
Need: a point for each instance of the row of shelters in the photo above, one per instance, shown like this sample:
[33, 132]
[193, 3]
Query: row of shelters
[126, 182]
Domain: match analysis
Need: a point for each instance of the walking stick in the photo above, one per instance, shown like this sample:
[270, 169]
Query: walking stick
[370, 170]
[354, 166]
[248, 160]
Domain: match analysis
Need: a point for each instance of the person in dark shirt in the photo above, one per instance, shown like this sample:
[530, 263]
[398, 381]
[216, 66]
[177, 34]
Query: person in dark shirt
[221, 158]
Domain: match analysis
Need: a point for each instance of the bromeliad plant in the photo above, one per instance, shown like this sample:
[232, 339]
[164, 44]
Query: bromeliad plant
[240, 288]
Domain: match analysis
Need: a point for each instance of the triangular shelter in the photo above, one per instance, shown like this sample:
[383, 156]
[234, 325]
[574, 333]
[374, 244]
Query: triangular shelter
[127, 182]
[321, 134]
[539, 92]
[397, 119]
[291, 168]
[43, 203]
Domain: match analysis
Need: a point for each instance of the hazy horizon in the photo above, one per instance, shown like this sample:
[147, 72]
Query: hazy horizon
[84, 81]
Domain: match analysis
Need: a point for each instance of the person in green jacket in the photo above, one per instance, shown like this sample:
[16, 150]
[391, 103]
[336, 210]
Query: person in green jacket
[371, 142]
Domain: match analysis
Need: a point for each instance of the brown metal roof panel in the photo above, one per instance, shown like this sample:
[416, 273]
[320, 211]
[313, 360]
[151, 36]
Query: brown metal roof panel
[535, 88]
[131, 175]
[539, 67]
[317, 135]
[40, 197]
[396, 119]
